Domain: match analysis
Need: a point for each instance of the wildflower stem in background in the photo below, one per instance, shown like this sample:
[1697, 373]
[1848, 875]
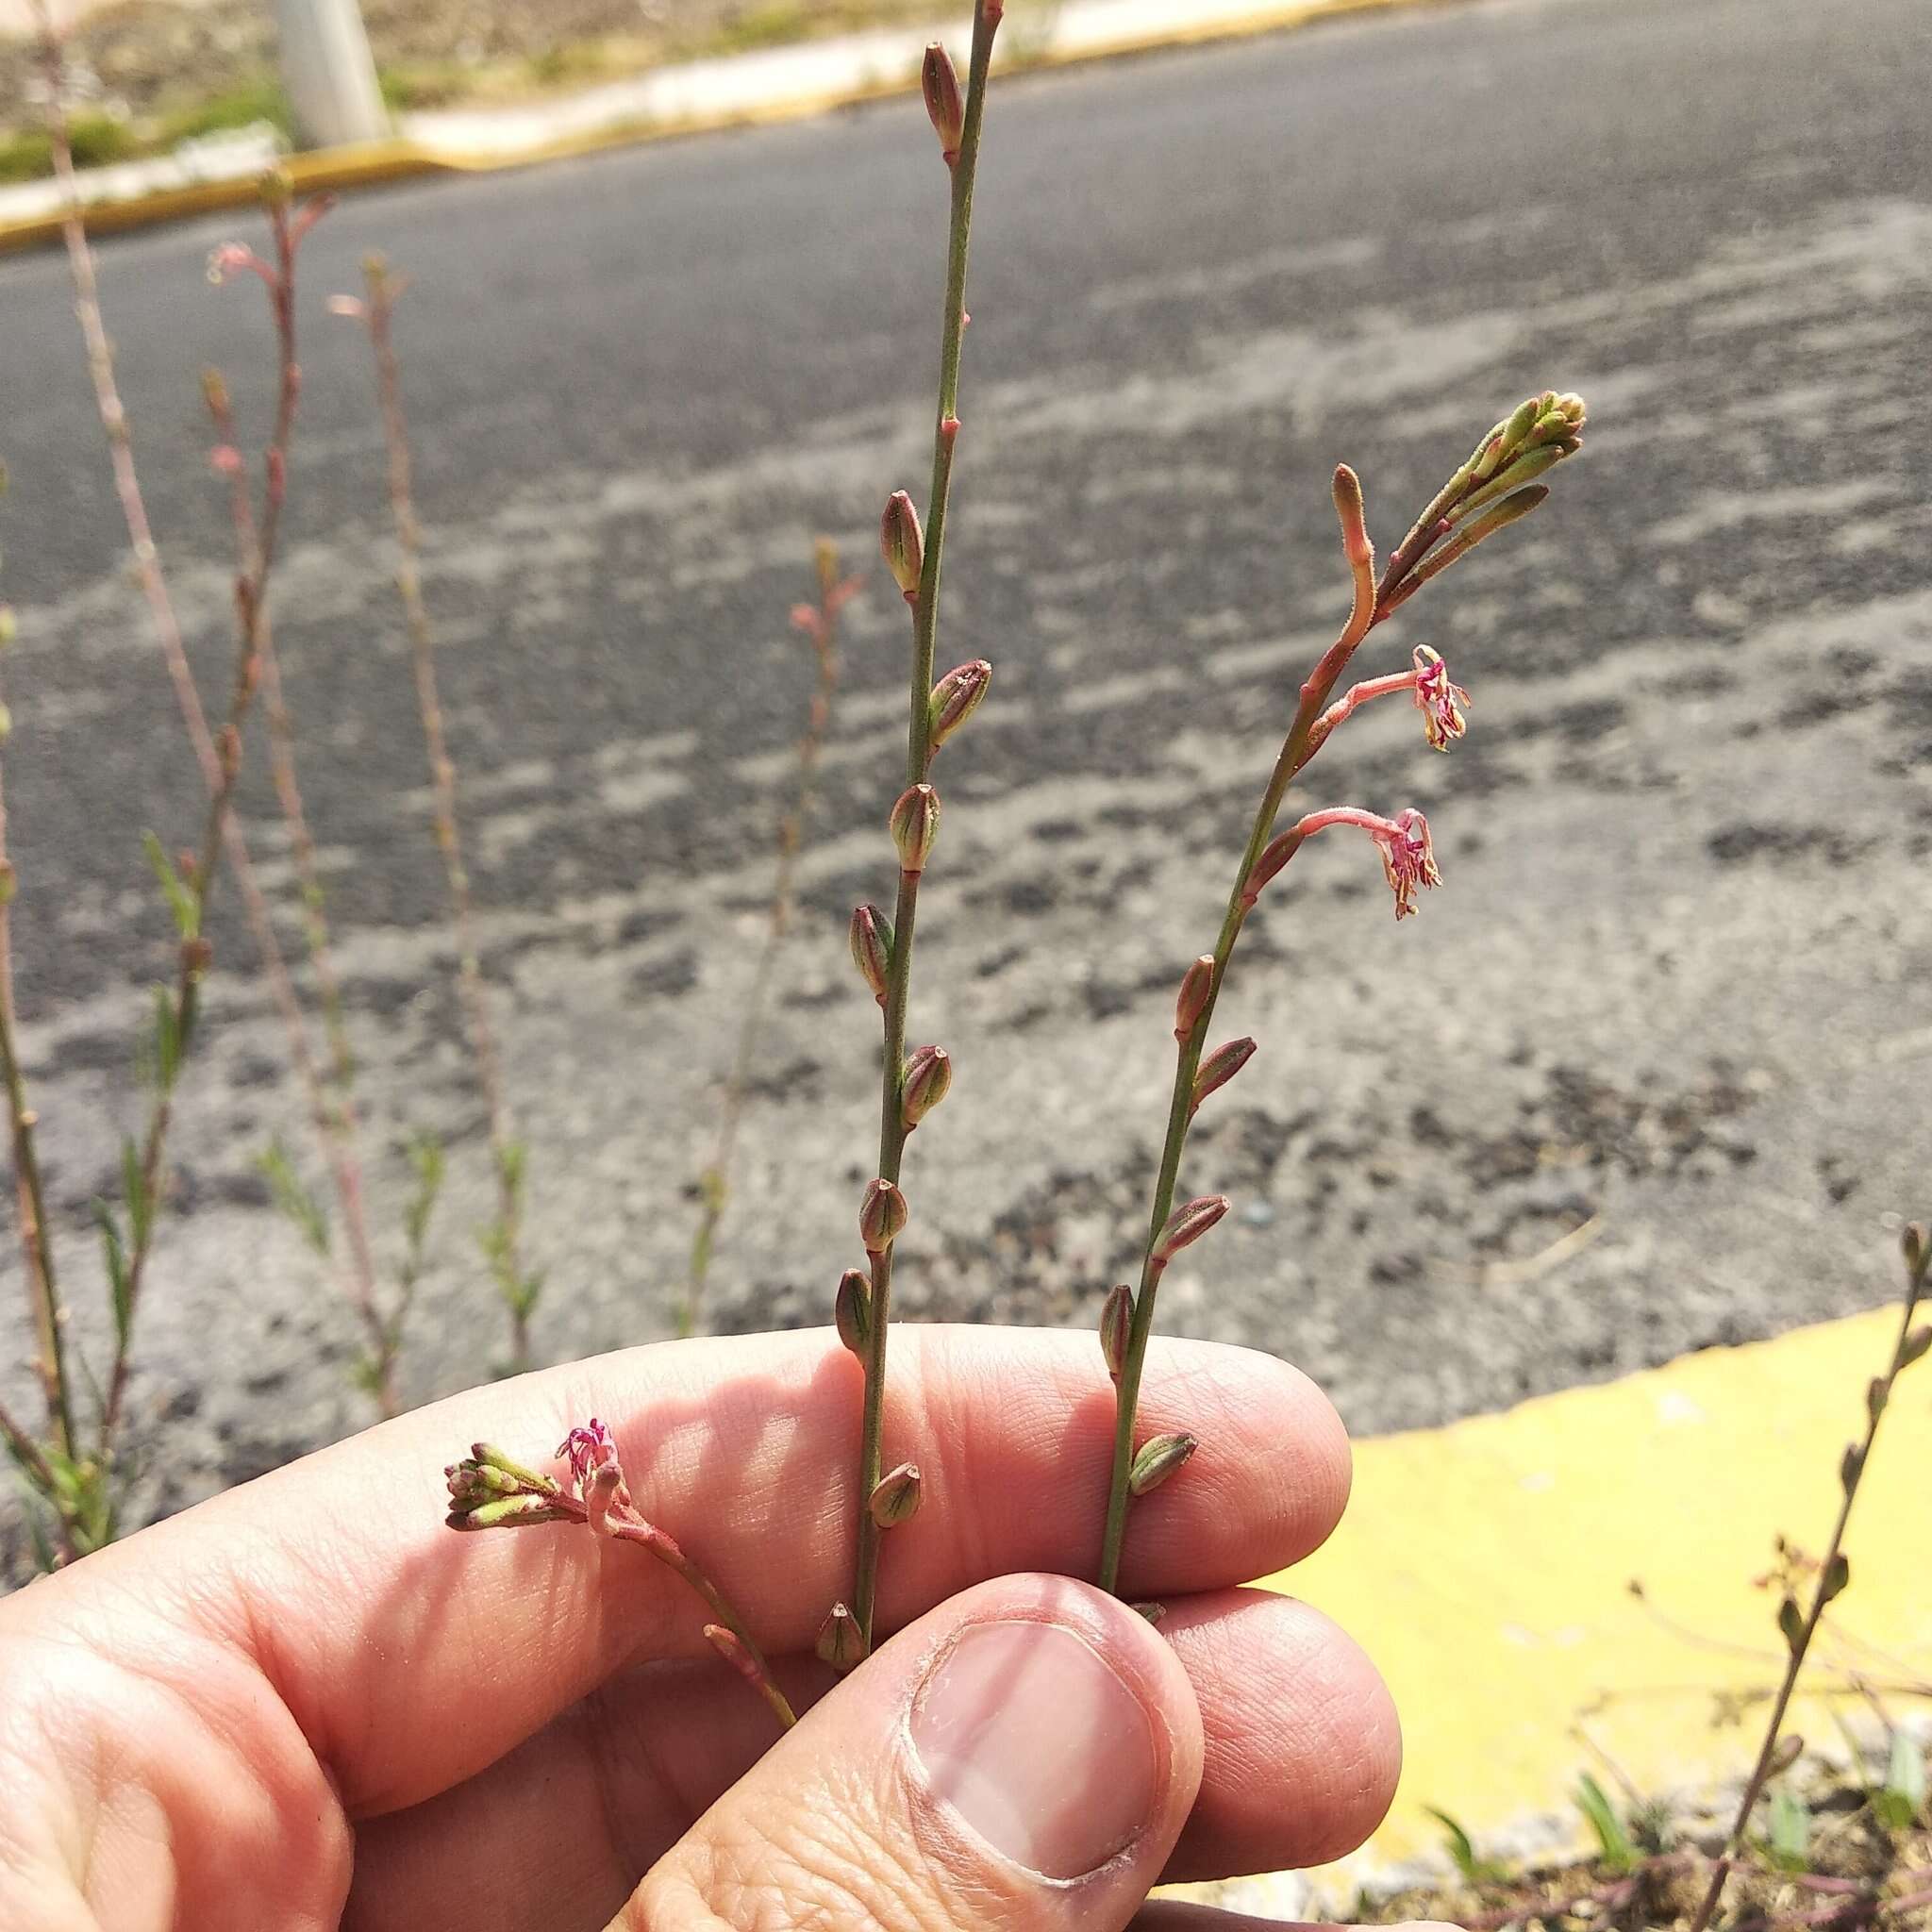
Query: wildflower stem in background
[50, 1318]
[924, 597]
[820, 624]
[1539, 433]
[336, 1119]
[504, 1241]
[1834, 1570]
[180, 1011]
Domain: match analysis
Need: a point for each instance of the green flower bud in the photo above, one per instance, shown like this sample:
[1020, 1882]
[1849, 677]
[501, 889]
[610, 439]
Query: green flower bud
[1156, 1459]
[922, 1085]
[955, 698]
[1186, 1224]
[840, 1643]
[914, 825]
[1116, 1321]
[897, 1498]
[882, 1216]
[872, 948]
[852, 1311]
[900, 543]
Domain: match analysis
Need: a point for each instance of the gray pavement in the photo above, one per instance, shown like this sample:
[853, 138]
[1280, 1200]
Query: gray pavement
[1673, 992]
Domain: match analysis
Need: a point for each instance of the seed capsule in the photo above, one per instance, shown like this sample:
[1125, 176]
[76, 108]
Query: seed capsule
[1157, 1459]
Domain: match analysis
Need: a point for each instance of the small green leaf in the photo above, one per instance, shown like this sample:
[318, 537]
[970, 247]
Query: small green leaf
[115, 1256]
[1904, 1797]
[1790, 1831]
[183, 902]
[1462, 1846]
[165, 1048]
[134, 1191]
[292, 1197]
[1613, 1841]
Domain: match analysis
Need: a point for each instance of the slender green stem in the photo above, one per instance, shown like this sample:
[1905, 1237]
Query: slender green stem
[1295, 752]
[986, 20]
[1821, 1594]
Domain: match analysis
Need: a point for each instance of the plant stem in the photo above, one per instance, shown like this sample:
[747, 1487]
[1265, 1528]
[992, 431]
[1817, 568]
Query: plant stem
[50, 1318]
[1821, 1594]
[1295, 752]
[167, 628]
[647, 1536]
[715, 1182]
[378, 313]
[986, 20]
[251, 591]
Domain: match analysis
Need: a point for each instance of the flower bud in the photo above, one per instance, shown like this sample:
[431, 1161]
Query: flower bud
[1220, 1067]
[1348, 506]
[1157, 1459]
[922, 1085]
[1274, 854]
[852, 1311]
[1196, 983]
[508, 1512]
[897, 1498]
[955, 698]
[840, 1643]
[914, 824]
[939, 82]
[882, 1216]
[872, 948]
[1186, 1224]
[900, 543]
[1116, 1323]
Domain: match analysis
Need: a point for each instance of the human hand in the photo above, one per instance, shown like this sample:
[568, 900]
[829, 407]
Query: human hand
[306, 1703]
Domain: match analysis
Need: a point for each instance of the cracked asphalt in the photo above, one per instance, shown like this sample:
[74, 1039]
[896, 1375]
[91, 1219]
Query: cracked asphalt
[1647, 1074]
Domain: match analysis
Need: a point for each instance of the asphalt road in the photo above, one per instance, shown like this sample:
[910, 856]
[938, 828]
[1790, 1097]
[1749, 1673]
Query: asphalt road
[1647, 1075]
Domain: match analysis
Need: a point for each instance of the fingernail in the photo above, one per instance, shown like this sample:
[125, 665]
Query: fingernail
[1039, 1745]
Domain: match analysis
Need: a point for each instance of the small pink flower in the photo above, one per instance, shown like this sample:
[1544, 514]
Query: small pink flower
[1408, 858]
[1438, 700]
[588, 1447]
[232, 258]
[225, 459]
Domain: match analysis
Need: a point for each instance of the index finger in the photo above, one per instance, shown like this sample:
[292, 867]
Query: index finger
[411, 1656]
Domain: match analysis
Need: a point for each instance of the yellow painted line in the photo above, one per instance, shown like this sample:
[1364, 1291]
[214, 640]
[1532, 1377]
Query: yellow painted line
[344, 169]
[1486, 1566]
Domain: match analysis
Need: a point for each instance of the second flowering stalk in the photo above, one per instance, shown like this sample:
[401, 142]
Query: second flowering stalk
[912, 1084]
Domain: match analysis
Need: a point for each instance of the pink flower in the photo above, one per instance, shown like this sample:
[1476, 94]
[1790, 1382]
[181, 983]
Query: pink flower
[588, 1447]
[1438, 700]
[232, 258]
[1408, 858]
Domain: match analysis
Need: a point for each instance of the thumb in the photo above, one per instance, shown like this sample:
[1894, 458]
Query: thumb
[1021, 1759]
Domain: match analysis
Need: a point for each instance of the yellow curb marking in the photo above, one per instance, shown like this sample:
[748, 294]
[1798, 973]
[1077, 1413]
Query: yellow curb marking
[1486, 1566]
[342, 168]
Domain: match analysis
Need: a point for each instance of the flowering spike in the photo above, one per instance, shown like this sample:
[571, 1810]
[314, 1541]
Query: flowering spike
[1220, 1067]
[914, 824]
[938, 80]
[1191, 1002]
[852, 1311]
[900, 543]
[1157, 1459]
[1437, 699]
[898, 1496]
[955, 698]
[882, 1216]
[841, 1642]
[872, 948]
[927, 1076]
[1116, 1321]
[1186, 1224]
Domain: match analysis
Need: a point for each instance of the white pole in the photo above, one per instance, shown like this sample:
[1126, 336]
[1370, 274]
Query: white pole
[329, 72]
